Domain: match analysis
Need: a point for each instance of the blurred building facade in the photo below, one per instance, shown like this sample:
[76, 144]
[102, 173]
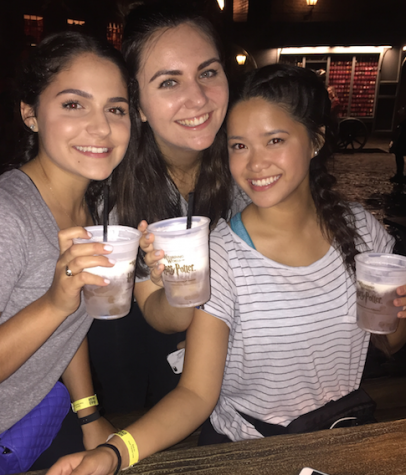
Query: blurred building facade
[356, 45]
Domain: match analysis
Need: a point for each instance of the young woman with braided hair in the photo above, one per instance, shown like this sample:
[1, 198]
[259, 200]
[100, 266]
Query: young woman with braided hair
[278, 338]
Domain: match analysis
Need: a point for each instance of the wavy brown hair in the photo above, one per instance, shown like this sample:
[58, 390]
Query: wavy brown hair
[141, 186]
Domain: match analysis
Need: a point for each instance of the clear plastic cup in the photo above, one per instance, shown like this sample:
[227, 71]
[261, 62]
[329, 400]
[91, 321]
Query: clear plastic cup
[378, 277]
[114, 300]
[186, 260]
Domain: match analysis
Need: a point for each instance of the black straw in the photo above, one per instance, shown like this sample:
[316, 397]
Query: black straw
[105, 211]
[190, 210]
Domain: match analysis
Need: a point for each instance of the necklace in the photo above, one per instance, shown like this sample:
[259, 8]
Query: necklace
[48, 182]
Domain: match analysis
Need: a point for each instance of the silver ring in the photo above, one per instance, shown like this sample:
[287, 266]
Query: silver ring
[68, 272]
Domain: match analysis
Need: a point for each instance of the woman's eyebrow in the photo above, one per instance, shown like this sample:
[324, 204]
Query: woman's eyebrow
[77, 92]
[166, 72]
[276, 131]
[207, 63]
[177, 72]
[86, 95]
[118, 99]
[266, 134]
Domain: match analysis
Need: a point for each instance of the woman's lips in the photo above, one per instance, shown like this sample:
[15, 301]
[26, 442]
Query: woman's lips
[93, 151]
[195, 121]
[263, 184]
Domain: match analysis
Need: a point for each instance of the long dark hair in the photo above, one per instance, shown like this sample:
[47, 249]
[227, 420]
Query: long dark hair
[142, 187]
[53, 55]
[301, 93]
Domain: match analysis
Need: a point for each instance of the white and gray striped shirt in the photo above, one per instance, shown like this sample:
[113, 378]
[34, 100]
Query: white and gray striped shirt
[294, 344]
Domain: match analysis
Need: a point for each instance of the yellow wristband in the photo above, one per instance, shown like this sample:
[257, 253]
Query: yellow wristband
[131, 445]
[85, 403]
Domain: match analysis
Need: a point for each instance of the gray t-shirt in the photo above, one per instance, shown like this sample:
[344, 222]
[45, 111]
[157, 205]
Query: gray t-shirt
[28, 253]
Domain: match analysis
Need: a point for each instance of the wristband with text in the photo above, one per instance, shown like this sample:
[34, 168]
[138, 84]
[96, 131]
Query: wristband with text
[84, 403]
[131, 445]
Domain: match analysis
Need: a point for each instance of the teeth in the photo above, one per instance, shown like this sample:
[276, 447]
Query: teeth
[93, 149]
[195, 121]
[265, 181]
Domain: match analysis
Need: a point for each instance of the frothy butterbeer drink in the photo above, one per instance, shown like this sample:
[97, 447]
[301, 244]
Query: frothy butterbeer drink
[375, 310]
[114, 300]
[378, 277]
[186, 260]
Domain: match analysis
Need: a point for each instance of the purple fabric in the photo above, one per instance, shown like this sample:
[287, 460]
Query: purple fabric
[25, 441]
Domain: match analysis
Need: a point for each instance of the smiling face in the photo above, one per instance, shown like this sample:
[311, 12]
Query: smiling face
[183, 89]
[82, 118]
[269, 152]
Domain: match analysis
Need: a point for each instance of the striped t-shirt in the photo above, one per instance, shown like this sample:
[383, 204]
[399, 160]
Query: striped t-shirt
[294, 344]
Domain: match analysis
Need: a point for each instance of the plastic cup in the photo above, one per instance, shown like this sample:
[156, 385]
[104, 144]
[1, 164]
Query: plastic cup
[186, 259]
[114, 300]
[378, 277]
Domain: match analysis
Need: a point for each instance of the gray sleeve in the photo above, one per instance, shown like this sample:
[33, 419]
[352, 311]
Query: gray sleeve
[13, 251]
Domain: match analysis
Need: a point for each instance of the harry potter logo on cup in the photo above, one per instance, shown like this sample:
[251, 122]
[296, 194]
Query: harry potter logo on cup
[176, 267]
[378, 276]
[186, 260]
[171, 259]
[365, 296]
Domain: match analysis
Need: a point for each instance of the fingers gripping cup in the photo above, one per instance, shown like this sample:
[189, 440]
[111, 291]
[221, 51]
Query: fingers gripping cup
[186, 260]
[378, 277]
[114, 300]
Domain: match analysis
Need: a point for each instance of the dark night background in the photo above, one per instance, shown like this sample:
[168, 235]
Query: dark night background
[267, 25]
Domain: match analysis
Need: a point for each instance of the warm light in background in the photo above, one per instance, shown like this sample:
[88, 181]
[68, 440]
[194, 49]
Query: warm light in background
[241, 58]
[334, 49]
[75, 22]
[240, 10]
[311, 3]
[221, 4]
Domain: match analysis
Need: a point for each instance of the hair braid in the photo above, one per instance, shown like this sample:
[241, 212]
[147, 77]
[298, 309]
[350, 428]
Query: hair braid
[335, 215]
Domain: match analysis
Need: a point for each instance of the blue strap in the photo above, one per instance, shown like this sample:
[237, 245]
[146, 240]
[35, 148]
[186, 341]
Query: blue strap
[238, 227]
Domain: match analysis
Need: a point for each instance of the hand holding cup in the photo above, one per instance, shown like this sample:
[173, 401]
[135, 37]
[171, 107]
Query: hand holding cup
[380, 278]
[185, 258]
[401, 301]
[113, 300]
[64, 293]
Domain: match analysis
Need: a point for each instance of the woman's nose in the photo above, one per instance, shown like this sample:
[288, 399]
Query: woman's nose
[196, 96]
[99, 125]
[257, 161]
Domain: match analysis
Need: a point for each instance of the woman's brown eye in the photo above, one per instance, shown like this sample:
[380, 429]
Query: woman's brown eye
[70, 105]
